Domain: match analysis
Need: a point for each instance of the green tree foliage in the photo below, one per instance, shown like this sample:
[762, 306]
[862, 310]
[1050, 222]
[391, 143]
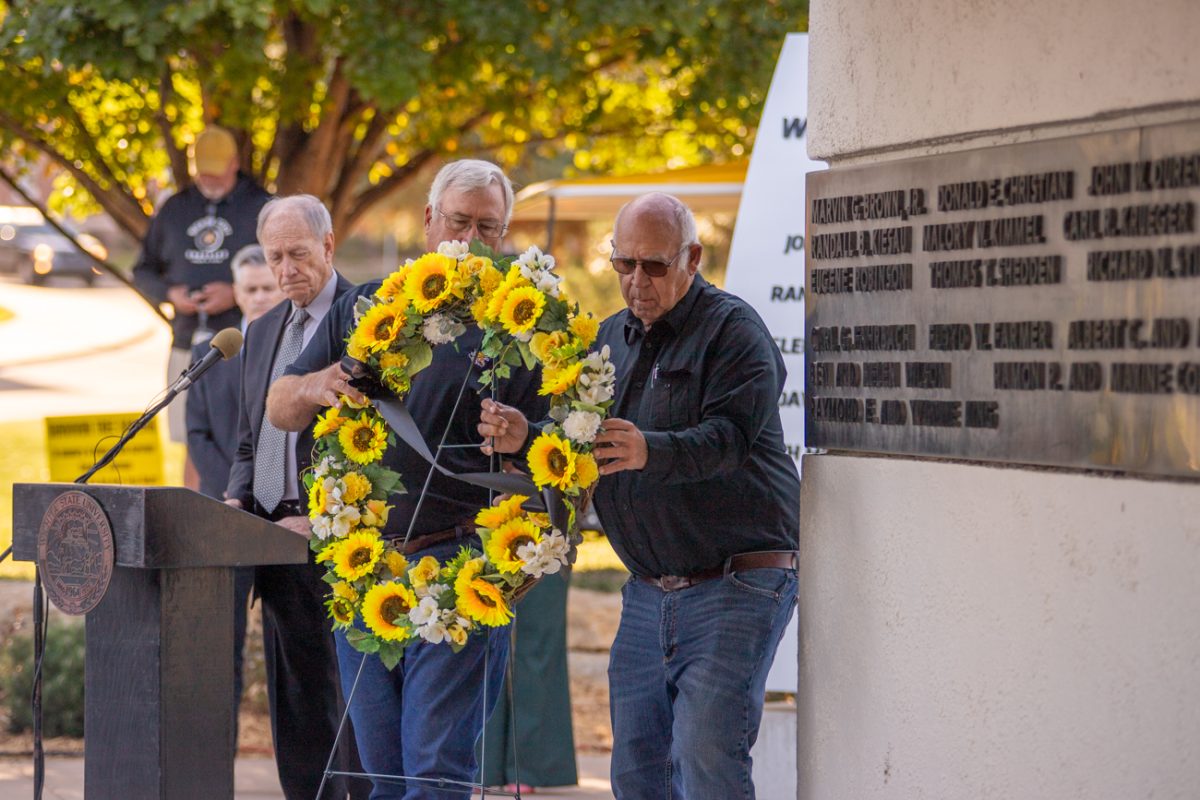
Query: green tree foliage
[348, 100]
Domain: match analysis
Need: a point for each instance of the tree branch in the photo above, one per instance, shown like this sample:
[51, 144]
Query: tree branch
[124, 209]
[102, 264]
[179, 162]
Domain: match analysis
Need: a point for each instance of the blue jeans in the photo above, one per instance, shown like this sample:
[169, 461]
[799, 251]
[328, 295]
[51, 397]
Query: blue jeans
[687, 677]
[421, 719]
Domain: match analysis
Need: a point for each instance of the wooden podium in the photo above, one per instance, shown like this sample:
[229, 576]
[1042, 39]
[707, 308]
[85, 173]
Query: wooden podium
[159, 719]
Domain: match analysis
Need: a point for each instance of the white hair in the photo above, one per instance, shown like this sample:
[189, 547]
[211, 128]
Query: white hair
[470, 174]
[310, 208]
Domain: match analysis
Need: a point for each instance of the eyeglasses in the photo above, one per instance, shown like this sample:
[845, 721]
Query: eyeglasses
[458, 223]
[653, 268]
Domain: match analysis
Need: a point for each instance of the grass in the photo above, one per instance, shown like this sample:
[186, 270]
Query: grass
[24, 461]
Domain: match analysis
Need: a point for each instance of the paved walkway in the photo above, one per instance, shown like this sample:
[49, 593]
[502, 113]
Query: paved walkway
[254, 779]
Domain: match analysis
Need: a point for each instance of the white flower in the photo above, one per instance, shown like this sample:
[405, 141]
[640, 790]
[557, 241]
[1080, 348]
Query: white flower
[546, 557]
[344, 521]
[581, 426]
[434, 633]
[322, 526]
[441, 329]
[548, 283]
[455, 250]
[425, 612]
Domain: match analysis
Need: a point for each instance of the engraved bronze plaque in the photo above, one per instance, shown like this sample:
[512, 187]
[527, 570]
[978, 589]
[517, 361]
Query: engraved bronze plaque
[75, 552]
[1034, 303]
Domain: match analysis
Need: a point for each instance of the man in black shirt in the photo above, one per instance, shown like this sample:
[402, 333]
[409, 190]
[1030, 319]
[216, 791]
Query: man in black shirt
[188, 248]
[701, 502]
[422, 718]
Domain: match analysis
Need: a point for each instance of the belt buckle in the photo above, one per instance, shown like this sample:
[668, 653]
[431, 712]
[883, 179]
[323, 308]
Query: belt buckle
[673, 583]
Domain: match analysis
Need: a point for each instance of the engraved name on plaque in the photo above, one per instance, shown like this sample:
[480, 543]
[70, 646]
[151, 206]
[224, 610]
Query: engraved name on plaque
[1035, 303]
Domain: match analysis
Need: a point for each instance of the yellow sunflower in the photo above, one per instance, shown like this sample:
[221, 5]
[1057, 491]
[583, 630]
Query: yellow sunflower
[393, 285]
[500, 513]
[396, 563]
[522, 309]
[327, 552]
[585, 326]
[503, 543]
[358, 486]
[478, 599]
[345, 591]
[341, 610]
[558, 381]
[586, 470]
[358, 554]
[424, 572]
[431, 281]
[380, 326]
[552, 461]
[513, 280]
[316, 498]
[363, 440]
[385, 610]
[328, 422]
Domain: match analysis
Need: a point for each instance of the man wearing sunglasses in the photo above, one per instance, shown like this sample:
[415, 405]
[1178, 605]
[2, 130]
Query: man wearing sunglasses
[702, 503]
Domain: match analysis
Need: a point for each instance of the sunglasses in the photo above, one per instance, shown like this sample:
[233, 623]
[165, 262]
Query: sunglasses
[654, 269]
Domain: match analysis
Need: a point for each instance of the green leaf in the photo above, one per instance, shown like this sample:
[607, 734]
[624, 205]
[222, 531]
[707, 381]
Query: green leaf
[420, 356]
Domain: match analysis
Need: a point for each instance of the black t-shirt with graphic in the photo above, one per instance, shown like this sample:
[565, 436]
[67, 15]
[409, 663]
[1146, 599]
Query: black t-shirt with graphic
[192, 241]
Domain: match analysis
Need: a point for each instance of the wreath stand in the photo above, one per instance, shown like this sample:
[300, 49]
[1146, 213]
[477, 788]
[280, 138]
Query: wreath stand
[495, 480]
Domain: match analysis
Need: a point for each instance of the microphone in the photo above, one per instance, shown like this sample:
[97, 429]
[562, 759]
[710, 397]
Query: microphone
[224, 346]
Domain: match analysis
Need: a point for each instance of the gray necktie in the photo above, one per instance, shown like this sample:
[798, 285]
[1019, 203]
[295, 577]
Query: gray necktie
[270, 457]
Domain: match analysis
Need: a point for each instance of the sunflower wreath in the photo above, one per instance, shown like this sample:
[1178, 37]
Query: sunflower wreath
[527, 319]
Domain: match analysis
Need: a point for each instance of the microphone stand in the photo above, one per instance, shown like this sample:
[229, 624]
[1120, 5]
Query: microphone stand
[39, 597]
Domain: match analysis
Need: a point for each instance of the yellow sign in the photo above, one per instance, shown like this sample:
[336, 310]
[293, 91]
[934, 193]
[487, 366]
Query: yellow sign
[73, 444]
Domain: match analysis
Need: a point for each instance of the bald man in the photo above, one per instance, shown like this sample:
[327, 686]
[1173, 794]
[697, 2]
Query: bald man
[701, 501]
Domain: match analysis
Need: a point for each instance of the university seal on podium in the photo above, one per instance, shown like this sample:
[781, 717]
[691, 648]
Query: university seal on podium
[75, 552]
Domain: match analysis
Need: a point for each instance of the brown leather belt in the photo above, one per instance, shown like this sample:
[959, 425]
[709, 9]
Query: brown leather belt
[418, 543]
[766, 559]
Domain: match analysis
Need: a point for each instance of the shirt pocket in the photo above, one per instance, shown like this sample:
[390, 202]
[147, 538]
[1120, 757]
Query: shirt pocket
[674, 405]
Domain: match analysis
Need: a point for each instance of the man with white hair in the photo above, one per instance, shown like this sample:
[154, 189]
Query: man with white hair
[701, 501]
[422, 718]
[302, 681]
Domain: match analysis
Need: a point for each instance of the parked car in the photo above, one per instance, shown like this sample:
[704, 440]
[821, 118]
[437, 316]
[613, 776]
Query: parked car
[33, 248]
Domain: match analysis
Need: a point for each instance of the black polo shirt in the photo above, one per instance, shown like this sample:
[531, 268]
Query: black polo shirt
[703, 386]
[431, 401]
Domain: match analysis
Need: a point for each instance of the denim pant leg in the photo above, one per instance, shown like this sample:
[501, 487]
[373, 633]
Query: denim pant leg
[640, 698]
[375, 714]
[422, 718]
[723, 638]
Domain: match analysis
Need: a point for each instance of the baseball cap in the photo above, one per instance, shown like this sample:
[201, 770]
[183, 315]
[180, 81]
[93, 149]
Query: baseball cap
[213, 150]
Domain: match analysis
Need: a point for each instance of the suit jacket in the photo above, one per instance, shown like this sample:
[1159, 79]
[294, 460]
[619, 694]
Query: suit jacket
[212, 421]
[258, 355]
